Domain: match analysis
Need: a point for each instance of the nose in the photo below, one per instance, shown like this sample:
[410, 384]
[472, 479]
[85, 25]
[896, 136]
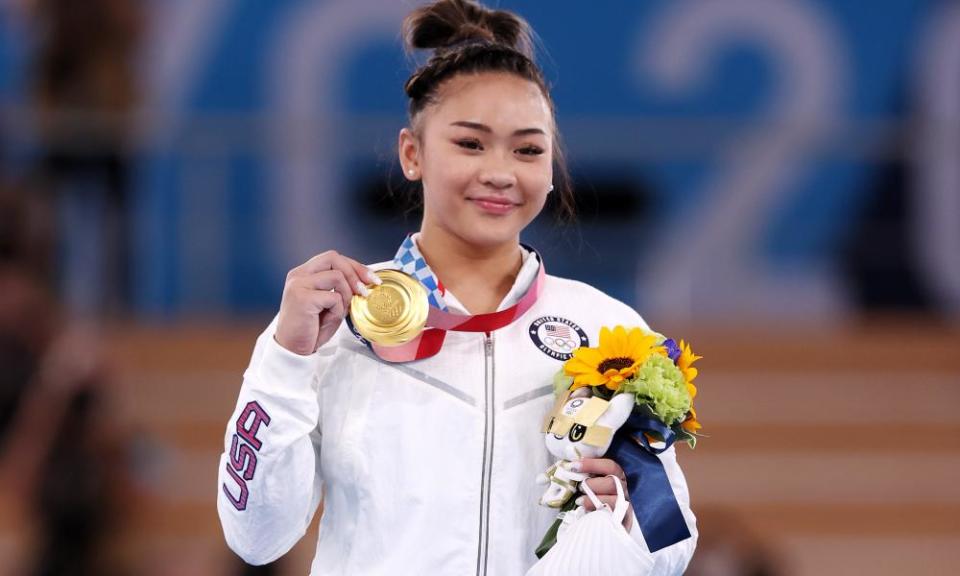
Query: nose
[497, 173]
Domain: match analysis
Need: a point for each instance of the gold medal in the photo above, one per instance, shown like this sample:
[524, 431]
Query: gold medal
[394, 313]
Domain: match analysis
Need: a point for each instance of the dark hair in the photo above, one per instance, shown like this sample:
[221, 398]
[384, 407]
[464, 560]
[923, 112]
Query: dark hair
[467, 38]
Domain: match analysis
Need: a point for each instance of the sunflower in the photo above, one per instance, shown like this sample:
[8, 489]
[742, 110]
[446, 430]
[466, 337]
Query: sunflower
[691, 424]
[617, 358]
[685, 364]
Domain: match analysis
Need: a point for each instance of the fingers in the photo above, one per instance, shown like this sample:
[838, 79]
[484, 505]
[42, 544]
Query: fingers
[335, 313]
[601, 482]
[322, 283]
[602, 467]
[365, 274]
[330, 271]
[605, 485]
[357, 275]
[331, 261]
[607, 499]
[316, 297]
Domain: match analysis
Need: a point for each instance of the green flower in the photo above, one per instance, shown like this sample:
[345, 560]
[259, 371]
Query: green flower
[561, 383]
[659, 384]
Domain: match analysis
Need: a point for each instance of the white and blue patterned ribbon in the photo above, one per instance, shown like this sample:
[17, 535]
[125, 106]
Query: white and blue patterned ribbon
[410, 260]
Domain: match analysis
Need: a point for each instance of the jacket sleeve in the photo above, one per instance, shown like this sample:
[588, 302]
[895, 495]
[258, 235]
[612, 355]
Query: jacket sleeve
[674, 558]
[269, 483]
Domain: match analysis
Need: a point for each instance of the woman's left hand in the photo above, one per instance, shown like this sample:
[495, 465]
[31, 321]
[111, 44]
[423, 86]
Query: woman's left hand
[604, 487]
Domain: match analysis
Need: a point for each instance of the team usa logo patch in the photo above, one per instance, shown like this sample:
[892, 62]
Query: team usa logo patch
[557, 337]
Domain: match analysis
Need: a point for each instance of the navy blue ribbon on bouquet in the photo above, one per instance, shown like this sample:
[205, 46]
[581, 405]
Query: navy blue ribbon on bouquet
[654, 504]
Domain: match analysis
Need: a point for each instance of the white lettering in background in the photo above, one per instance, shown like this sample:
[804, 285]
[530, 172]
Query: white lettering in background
[179, 47]
[710, 266]
[936, 157]
[305, 183]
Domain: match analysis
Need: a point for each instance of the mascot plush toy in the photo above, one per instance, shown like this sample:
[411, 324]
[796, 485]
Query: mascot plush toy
[580, 426]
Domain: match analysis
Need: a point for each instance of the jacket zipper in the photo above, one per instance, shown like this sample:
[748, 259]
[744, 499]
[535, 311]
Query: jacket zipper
[487, 455]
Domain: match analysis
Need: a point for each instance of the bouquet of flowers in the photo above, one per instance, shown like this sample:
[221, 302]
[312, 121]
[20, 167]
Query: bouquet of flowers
[657, 371]
[631, 396]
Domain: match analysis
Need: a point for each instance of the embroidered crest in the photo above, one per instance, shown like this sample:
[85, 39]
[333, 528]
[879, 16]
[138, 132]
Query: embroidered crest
[557, 337]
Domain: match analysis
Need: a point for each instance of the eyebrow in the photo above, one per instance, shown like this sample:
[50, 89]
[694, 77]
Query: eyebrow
[485, 128]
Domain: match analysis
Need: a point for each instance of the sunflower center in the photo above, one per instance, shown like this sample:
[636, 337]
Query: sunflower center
[615, 363]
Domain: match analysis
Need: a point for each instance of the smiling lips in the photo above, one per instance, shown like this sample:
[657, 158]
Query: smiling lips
[494, 204]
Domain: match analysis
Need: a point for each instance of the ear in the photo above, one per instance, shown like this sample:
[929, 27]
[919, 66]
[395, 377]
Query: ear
[408, 148]
[617, 412]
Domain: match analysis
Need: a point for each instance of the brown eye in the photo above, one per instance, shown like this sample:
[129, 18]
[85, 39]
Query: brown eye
[470, 144]
[531, 151]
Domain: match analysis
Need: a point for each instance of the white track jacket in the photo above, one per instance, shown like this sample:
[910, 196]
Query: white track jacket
[424, 468]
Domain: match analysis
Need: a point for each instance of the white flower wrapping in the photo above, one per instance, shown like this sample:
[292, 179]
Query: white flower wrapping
[596, 544]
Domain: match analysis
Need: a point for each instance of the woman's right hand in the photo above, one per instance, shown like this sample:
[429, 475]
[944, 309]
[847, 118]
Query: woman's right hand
[316, 296]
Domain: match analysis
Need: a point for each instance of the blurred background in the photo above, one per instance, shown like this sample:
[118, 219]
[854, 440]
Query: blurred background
[776, 180]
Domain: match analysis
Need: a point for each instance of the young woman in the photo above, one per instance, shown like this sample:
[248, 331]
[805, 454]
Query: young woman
[426, 463]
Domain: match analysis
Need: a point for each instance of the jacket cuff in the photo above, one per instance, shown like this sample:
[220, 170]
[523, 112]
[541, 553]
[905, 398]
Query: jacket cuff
[281, 372]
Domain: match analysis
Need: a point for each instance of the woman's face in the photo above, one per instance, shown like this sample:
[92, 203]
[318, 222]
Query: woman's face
[484, 155]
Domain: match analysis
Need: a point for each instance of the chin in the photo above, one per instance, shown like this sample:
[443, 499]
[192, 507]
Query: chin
[489, 234]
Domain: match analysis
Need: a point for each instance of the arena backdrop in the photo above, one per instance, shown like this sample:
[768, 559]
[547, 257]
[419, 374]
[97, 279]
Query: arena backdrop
[727, 154]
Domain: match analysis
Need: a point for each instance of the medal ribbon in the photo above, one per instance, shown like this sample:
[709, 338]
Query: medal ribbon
[439, 319]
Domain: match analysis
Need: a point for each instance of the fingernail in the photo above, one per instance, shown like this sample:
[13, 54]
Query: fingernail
[373, 278]
[574, 466]
[362, 289]
[580, 500]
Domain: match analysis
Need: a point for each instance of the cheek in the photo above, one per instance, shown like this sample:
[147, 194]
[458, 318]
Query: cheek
[539, 171]
[445, 179]
[536, 183]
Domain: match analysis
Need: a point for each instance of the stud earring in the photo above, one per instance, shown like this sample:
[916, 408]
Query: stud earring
[411, 171]
[550, 189]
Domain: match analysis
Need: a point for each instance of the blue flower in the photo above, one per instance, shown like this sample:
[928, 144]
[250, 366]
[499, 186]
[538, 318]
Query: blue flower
[673, 351]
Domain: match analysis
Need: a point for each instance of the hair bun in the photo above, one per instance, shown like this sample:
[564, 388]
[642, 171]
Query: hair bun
[444, 24]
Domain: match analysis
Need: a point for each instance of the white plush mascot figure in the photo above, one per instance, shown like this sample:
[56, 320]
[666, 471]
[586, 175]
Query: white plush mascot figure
[588, 544]
[579, 426]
